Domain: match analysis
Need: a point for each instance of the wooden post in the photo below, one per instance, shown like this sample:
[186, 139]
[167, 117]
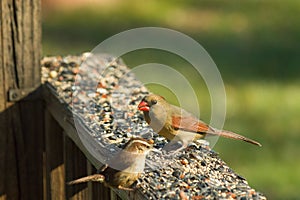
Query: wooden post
[21, 115]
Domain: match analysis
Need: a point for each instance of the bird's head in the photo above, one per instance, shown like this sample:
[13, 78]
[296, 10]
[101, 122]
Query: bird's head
[139, 146]
[150, 101]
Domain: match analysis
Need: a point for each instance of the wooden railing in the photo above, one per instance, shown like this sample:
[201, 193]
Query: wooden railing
[67, 158]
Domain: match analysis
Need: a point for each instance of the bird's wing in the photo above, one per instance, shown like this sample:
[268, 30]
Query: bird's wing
[127, 161]
[183, 120]
[189, 124]
[120, 161]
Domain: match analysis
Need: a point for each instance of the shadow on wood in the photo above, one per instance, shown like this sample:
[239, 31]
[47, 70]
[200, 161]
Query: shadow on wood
[21, 150]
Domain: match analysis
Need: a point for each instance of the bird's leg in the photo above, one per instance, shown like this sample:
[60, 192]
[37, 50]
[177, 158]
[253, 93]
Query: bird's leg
[173, 147]
[150, 164]
[177, 150]
[138, 182]
[102, 168]
[179, 142]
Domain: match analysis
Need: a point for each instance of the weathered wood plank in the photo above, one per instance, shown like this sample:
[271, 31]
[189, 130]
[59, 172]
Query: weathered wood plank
[55, 168]
[9, 168]
[2, 61]
[33, 146]
[21, 124]
[65, 118]
[2, 116]
[76, 167]
[36, 40]
[98, 191]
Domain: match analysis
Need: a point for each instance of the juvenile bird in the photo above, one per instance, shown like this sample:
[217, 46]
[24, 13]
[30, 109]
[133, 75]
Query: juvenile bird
[175, 123]
[123, 169]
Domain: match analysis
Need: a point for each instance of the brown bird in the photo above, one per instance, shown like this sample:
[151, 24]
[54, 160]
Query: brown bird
[125, 168]
[175, 123]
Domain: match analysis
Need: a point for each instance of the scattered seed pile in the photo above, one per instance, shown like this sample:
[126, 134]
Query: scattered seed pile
[103, 93]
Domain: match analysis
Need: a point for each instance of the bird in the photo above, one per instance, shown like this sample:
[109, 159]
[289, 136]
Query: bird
[123, 169]
[176, 124]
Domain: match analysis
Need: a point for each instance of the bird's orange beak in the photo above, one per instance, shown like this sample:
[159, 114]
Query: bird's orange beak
[143, 106]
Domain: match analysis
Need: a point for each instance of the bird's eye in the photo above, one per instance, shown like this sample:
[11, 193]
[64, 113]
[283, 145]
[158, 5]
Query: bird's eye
[154, 102]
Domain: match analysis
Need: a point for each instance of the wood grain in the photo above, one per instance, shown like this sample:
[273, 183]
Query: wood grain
[76, 167]
[21, 123]
[55, 168]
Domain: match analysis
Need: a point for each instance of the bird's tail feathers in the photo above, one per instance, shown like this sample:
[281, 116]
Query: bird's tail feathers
[94, 178]
[232, 135]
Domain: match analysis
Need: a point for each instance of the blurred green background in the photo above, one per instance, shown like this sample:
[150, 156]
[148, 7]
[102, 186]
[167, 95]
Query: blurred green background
[255, 45]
